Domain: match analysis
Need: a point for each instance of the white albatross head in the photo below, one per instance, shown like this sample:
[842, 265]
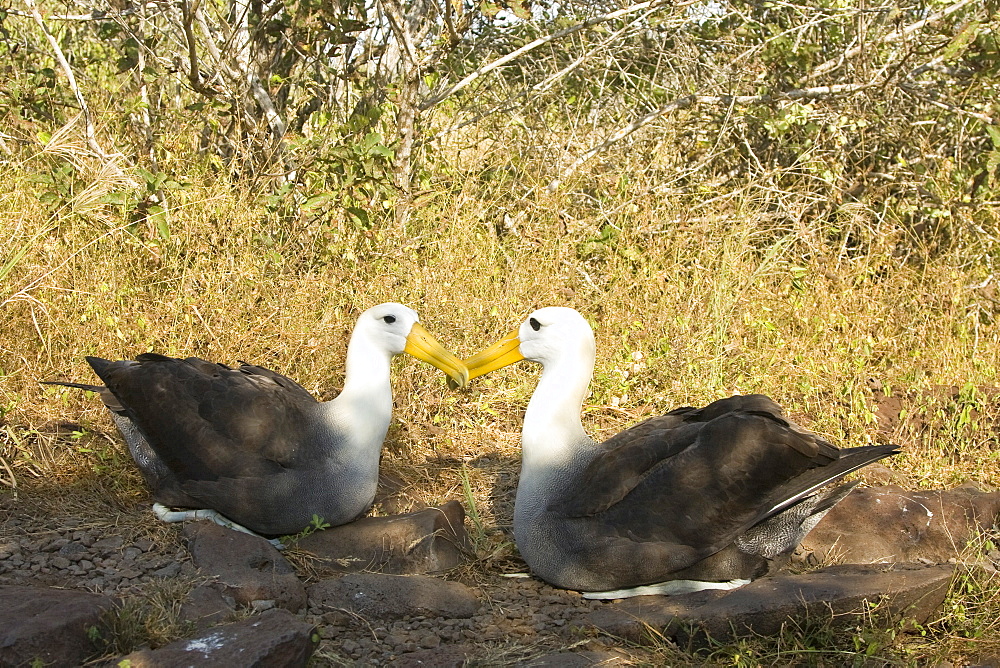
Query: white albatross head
[396, 329]
[547, 336]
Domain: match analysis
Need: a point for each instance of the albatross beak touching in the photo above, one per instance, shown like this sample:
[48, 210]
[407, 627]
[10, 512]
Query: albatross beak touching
[422, 345]
[504, 352]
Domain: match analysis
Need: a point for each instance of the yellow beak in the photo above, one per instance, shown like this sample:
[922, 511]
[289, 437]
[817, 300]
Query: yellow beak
[422, 345]
[504, 352]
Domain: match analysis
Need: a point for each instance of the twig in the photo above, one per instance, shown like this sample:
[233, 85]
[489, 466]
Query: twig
[68, 71]
[194, 68]
[530, 46]
[814, 93]
[887, 39]
[96, 15]
[398, 25]
[545, 84]
[988, 120]
[453, 37]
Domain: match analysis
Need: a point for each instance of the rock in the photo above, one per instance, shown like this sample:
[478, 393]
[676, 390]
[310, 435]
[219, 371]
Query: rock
[451, 656]
[249, 567]
[205, 607]
[638, 619]
[430, 540]
[839, 594]
[377, 596]
[889, 524]
[276, 639]
[880, 474]
[836, 595]
[109, 544]
[50, 626]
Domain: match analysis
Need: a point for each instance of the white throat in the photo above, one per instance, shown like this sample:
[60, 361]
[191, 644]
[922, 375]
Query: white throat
[360, 414]
[552, 436]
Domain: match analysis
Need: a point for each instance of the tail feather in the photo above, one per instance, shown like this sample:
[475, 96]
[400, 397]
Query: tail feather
[108, 397]
[79, 386]
[850, 460]
[781, 533]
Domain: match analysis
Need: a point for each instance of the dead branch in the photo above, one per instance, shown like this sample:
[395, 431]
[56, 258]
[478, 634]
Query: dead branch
[692, 100]
[530, 46]
[188, 13]
[509, 104]
[982, 118]
[894, 36]
[96, 15]
[88, 121]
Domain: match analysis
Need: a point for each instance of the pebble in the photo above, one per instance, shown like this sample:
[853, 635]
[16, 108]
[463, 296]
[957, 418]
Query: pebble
[430, 641]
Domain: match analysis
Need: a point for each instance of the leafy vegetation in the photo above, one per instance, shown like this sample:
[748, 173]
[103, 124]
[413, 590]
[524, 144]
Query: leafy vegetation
[794, 199]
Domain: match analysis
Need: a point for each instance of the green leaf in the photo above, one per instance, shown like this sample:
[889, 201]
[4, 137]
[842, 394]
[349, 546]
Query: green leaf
[316, 201]
[360, 216]
[158, 216]
[994, 133]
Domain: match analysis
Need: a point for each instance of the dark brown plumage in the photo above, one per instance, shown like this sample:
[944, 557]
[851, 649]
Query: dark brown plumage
[253, 444]
[712, 494]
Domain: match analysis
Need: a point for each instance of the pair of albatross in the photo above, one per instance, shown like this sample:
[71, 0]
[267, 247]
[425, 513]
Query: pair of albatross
[693, 499]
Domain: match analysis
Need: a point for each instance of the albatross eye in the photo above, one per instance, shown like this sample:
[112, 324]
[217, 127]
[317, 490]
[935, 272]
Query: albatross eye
[535, 325]
[389, 319]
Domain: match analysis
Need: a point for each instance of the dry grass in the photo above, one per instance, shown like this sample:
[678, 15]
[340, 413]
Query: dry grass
[720, 294]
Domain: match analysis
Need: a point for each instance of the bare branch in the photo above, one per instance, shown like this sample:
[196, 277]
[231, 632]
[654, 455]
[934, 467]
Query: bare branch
[449, 23]
[68, 71]
[541, 41]
[188, 12]
[982, 118]
[400, 28]
[894, 36]
[510, 103]
[691, 100]
[96, 15]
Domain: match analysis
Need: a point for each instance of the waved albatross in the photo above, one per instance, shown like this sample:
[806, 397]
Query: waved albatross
[693, 499]
[254, 445]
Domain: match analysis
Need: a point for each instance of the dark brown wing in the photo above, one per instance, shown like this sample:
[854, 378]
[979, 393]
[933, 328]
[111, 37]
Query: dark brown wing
[701, 477]
[627, 458]
[208, 421]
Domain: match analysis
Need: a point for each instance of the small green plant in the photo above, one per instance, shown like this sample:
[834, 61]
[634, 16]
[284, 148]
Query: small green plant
[470, 505]
[317, 523]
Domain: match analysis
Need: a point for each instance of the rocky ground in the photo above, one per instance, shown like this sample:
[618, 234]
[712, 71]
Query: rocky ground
[334, 596]
[509, 620]
[175, 581]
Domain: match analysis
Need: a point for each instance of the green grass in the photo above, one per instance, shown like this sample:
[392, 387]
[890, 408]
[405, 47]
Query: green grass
[720, 295]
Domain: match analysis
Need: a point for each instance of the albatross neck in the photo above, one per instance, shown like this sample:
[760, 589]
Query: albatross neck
[363, 409]
[552, 438]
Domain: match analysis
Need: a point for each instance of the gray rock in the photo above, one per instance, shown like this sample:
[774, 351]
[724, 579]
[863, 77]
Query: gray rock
[275, 639]
[451, 656]
[430, 540]
[889, 524]
[168, 571]
[109, 544]
[249, 568]
[377, 596]
[205, 606]
[53, 626]
[836, 595]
